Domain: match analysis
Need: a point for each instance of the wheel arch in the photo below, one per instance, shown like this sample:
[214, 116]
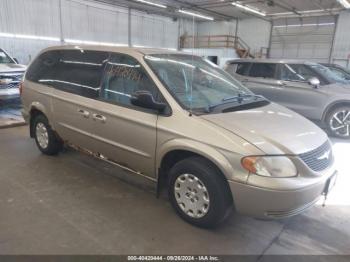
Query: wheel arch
[176, 150]
[332, 106]
[36, 108]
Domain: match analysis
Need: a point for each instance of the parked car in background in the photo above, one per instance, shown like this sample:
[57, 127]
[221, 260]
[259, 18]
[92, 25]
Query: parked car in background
[310, 89]
[340, 71]
[176, 118]
[11, 74]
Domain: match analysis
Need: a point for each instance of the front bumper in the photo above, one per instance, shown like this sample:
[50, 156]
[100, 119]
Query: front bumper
[25, 115]
[273, 203]
[9, 93]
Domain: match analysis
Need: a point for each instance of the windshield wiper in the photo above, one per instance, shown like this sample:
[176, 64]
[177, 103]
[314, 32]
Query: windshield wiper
[239, 98]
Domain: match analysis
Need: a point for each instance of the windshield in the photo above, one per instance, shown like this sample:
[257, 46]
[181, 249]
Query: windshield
[340, 72]
[210, 85]
[4, 58]
[326, 73]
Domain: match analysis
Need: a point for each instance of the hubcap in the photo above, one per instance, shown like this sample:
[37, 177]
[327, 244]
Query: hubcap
[191, 195]
[42, 135]
[340, 123]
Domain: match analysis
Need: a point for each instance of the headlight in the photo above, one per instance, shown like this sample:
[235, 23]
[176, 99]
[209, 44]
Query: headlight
[270, 166]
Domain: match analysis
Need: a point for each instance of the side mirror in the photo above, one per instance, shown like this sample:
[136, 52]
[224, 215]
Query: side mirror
[315, 82]
[16, 60]
[146, 100]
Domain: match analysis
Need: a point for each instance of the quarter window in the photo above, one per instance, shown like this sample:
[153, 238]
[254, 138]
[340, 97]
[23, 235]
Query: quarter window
[124, 76]
[265, 70]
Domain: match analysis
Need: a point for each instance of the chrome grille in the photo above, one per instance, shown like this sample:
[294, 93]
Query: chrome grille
[16, 78]
[320, 158]
[9, 86]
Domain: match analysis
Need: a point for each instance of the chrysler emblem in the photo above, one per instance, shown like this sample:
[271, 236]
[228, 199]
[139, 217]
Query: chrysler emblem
[326, 155]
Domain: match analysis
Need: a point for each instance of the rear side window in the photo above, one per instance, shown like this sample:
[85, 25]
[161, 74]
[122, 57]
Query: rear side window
[74, 71]
[124, 76]
[242, 68]
[265, 70]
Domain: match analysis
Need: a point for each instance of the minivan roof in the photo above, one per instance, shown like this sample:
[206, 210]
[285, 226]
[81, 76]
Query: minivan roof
[274, 61]
[128, 50]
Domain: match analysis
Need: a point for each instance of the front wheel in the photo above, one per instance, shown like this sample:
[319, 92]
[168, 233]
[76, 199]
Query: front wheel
[199, 192]
[338, 122]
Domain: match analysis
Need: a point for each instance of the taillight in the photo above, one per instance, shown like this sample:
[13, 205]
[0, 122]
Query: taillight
[20, 88]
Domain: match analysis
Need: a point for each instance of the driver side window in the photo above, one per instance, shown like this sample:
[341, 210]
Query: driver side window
[124, 76]
[296, 72]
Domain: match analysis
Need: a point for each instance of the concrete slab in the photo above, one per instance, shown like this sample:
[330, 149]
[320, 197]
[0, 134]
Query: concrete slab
[74, 204]
[27, 224]
[8, 122]
[10, 114]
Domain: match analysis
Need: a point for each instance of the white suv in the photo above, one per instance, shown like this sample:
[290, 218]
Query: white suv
[11, 74]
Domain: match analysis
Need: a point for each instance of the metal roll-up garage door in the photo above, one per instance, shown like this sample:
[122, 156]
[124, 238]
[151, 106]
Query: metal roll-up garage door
[306, 39]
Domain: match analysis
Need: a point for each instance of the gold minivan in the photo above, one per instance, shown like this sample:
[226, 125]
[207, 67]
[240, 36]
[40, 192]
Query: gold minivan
[179, 120]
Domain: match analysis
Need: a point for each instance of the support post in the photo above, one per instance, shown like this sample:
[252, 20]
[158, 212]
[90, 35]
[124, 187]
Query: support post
[268, 54]
[330, 59]
[129, 28]
[61, 25]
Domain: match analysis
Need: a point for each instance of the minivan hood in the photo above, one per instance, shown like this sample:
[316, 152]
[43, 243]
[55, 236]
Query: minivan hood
[273, 129]
[8, 68]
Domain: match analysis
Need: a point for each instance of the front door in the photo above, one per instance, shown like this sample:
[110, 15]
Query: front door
[262, 79]
[297, 94]
[125, 133]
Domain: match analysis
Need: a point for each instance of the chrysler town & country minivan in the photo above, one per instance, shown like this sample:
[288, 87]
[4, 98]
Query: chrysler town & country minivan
[177, 118]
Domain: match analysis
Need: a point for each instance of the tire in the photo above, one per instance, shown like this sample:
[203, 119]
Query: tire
[208, 195]
[338, 122]
[45, 138]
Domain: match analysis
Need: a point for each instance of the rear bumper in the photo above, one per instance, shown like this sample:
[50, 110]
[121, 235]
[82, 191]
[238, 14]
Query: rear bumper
[268, 203]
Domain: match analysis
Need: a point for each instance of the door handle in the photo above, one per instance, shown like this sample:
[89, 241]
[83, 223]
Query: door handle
[100, 118]
[84, 113]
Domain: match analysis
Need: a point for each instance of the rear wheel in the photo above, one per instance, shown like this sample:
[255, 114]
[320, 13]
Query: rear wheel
[338, 122]
[45, 138]
[198, 192]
